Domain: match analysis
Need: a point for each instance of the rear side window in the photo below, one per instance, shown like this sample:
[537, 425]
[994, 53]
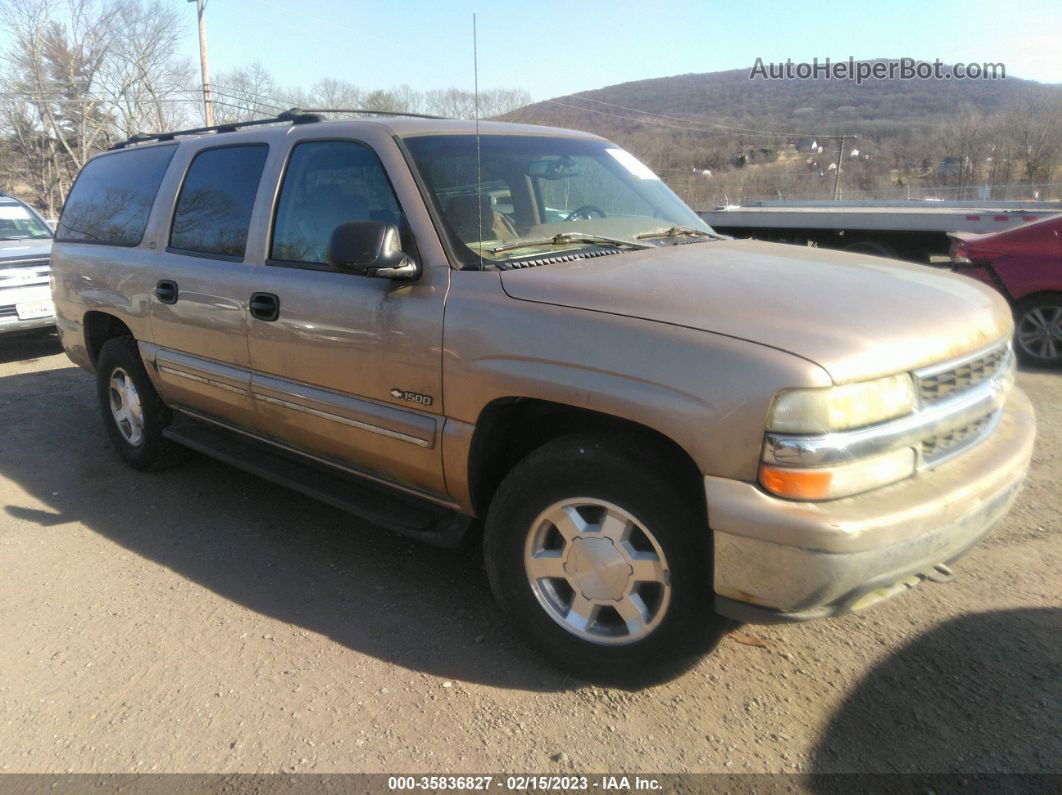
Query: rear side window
[112, 197]
[214, 208]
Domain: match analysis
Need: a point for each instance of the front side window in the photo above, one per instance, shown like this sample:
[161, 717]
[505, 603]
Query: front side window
[329, 183]
[514, 189]
[214, 209]
[112, 197]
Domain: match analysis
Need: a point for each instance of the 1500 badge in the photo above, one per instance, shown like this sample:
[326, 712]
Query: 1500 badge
[411, 397]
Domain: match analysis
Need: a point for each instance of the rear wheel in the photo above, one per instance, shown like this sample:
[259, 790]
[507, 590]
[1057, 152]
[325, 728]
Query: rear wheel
[1038, 330]
[133, 413]
[601, 562]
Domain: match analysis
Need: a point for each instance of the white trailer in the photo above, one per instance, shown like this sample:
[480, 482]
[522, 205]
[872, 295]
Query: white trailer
[915, 230]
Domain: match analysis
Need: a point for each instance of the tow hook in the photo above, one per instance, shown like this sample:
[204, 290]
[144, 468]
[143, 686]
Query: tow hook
[940, 574]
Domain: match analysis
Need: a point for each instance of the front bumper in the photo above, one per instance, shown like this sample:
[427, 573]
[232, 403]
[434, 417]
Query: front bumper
[13, 297]
[780, 561]
[13, 323]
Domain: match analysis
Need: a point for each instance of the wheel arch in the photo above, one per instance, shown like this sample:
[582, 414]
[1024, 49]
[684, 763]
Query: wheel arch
[100, 327]
[508, 429]
[1029, 297]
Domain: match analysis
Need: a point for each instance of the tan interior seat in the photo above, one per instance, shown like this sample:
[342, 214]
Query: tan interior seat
[464, 214]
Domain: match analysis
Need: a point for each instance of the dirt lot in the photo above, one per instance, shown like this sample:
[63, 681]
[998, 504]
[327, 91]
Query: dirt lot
[203, 620]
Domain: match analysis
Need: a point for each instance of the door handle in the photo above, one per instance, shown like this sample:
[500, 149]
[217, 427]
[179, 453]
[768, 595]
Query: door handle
[166, 291]
[264, 306]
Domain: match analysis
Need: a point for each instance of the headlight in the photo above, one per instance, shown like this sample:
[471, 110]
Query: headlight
[840, 408]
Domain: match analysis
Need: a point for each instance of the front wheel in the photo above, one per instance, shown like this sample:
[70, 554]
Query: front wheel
[601, 562]
[1038, 330]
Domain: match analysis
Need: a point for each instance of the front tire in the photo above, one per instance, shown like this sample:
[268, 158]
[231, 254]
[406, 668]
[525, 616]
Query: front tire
[132, 411]
[601, 562]
[1038, 330]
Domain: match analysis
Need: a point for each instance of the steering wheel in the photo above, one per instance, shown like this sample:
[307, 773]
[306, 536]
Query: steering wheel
[585, 213]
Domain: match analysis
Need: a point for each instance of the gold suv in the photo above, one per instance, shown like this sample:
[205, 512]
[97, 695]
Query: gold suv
[523, 330]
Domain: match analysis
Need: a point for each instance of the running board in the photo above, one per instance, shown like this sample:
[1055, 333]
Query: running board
[388, 508]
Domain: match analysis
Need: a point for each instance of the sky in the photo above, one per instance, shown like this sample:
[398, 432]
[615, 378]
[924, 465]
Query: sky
[552, 48]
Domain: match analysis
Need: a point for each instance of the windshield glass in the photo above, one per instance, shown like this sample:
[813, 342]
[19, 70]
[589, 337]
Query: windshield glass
[17, 222]
[560, 195]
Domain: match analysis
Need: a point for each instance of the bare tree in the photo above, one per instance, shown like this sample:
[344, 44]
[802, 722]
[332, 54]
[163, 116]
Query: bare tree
[962, 146]
[244, 94]
[332, 93]
[1031, 139]
[458, 103]
[81, 74]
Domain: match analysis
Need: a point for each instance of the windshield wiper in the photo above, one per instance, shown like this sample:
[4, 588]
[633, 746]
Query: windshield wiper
[678, 231]
[566, 238]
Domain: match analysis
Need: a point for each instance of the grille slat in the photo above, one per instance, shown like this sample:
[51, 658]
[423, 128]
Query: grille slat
[946, 381]
[937, 447]
[936, 386]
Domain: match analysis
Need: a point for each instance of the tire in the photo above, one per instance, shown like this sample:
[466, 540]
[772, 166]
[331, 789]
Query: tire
[133, 413]
[872, 247]
[608, 483]
[1038, 330]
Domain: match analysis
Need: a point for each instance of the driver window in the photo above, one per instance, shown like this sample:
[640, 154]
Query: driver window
[328, 183]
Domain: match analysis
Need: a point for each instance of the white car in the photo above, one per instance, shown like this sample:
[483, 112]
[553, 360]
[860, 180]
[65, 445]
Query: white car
[25, 251]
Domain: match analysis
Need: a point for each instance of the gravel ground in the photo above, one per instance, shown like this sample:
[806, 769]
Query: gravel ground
[202, 620]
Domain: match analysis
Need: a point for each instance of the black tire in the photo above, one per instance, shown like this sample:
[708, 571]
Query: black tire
[873, 248]
[1029, 314]
[152, 451]
[622, 472]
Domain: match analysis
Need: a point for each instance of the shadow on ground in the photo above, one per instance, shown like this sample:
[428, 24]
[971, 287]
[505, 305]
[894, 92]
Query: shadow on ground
[981, 694]
[27, 345]
[266, 548]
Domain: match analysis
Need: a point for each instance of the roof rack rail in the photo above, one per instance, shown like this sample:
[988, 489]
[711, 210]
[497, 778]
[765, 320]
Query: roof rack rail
[292, 116]
[407, 114]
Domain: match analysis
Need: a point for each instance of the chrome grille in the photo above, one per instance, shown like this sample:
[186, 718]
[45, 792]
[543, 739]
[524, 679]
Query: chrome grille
[22, 273]
[938, 447]
[937, 383]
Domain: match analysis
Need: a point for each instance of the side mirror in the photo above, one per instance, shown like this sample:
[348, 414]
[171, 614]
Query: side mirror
[370, 248]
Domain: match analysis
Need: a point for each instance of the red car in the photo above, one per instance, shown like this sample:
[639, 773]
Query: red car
[1025, 265]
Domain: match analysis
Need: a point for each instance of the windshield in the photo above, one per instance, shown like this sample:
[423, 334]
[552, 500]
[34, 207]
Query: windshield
[18, 222]
[554, 195]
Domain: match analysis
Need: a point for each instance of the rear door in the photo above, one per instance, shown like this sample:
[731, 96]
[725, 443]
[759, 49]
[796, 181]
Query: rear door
[349, 367]
[199, 305]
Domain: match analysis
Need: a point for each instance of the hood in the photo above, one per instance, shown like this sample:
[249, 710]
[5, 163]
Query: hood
[855, 315]
[14, 250]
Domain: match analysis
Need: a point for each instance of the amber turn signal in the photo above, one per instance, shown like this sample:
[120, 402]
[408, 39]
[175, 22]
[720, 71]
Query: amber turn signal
[796, 484]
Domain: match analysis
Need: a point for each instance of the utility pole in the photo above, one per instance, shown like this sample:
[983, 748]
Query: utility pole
[837, 172]
[208, 105]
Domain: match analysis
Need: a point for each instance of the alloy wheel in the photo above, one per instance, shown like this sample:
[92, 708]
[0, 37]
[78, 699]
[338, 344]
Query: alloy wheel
[125, 407]
[597, 571]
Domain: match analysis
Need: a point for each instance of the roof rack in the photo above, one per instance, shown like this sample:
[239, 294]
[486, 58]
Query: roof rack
[293, 116]
[400, 113]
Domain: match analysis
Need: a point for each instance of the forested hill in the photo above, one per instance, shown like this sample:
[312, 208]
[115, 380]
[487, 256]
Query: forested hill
[876, 108]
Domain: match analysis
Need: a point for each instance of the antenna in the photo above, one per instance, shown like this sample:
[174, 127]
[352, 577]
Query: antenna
[479, 167]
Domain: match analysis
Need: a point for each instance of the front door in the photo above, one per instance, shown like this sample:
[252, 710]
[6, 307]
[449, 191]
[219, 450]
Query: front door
[348, 368]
